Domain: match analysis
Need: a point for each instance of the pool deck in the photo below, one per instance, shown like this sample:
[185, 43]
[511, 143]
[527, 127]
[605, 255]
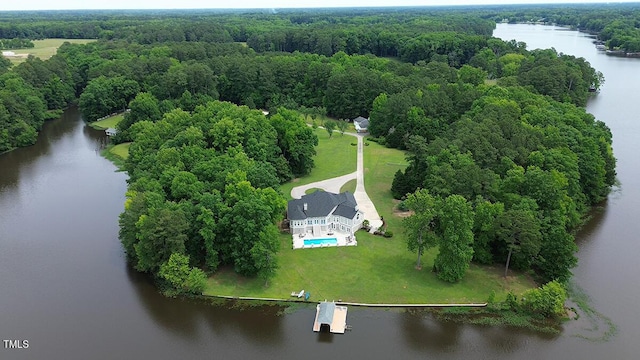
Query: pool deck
[343, 240]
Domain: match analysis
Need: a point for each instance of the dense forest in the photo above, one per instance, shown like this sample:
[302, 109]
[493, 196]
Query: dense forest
[491, 127]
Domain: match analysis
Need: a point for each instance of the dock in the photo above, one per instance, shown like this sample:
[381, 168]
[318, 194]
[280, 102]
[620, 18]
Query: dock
[331, 316]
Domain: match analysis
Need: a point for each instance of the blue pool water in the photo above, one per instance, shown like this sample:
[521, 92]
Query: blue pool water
[330, 241]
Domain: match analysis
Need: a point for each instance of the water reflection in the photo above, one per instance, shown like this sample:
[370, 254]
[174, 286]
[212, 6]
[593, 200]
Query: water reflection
[325, 337]
[261, 324]
[596, 216]
[422, 332]
[184, 317]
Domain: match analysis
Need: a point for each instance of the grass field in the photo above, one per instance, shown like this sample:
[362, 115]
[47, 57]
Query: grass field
[380, 166]
[44, 49]
[349, 186]
[121, 150]
[378, 270]
[117, 154]
[334, 157]
[109, 122]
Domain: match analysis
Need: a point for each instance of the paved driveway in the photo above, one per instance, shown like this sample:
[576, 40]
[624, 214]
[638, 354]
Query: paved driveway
[334, 184]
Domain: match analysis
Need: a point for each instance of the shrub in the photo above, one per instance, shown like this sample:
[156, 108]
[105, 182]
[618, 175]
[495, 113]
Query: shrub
[492, 297]
[388, 234]
[379, 140]
[402, 206]
[547, 300]
[511, 301]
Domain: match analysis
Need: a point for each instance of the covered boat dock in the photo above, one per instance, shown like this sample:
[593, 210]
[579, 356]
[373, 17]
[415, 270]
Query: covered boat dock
[330, 316]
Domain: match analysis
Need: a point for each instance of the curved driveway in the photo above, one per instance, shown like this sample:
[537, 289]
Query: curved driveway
[334, 184]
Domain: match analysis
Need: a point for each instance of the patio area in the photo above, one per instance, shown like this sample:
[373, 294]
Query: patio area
[329, 239]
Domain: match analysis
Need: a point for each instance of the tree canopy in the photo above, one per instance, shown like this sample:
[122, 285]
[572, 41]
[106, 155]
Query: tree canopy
[204, 161]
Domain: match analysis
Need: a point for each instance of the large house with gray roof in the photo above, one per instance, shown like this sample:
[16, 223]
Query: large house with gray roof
[323, 212]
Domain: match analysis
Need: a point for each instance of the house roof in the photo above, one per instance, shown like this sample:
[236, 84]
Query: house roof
[359, 119]
[322, 203]
[325, 312]
[362, 122]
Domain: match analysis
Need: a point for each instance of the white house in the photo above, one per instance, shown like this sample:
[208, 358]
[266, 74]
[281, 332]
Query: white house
[111, 131]
[8, 53]
[361, 124]
[322, 212]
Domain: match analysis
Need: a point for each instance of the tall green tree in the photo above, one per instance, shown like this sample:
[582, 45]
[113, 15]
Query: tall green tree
[264, 253]
[420, 227]
[296, 140]
[519, 230]
[342, 126]
[330, 126]
[161, 233]
[455, 226]
[180, 278]
[484, 229]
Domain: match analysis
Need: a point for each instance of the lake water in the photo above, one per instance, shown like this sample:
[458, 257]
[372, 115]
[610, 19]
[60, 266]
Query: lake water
[65, 286]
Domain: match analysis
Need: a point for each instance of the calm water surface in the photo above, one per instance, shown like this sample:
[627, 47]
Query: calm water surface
[65, 286]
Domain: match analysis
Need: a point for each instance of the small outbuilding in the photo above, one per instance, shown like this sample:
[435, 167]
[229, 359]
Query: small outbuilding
[361, 124]
[331, 317]
[8, 53]
[111, 131]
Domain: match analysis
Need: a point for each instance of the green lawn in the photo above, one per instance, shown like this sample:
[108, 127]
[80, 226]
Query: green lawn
[349, 186]
[380, 166]
[334, 157]
[110, 122]
[117, 154]
[121, 150]
[378, 270]
[44, 49]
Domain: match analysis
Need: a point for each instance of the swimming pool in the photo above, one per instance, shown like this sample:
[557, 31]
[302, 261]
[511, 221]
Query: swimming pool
[328, 241]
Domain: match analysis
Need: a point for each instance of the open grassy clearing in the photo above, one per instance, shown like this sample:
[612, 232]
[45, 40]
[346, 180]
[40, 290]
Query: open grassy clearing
[44, 49]
[380, 166]
[110, 122]
[378, 270]
[121, 150]
[117, 154]
[334, 157]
